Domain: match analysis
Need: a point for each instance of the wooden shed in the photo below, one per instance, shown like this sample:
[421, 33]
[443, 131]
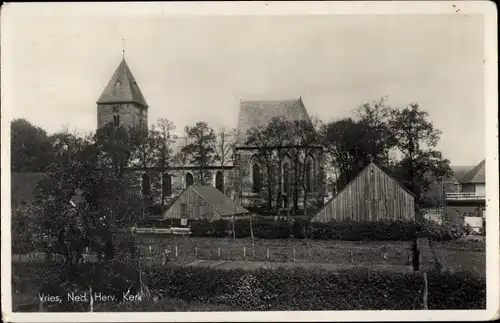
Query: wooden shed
[199, 202]
[372, 196]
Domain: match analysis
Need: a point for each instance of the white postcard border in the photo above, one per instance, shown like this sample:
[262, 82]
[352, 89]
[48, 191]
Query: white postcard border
[10, 10]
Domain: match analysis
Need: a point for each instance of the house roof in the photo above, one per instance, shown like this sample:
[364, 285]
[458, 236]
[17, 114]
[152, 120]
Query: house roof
[459, 172]
[222, 204]
[23, 186]
[258, 113]
[476, 175]
[122, 88]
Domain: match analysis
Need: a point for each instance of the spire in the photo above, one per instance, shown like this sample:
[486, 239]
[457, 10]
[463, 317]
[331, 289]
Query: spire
[123, 48]
[122, 88]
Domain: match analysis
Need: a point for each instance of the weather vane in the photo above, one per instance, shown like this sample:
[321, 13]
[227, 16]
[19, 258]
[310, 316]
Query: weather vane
[123, 48]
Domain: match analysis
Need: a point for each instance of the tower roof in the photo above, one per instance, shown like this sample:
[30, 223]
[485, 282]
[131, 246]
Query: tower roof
[122, 88]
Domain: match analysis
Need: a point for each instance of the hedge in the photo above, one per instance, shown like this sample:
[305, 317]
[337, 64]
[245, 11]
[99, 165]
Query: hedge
[335, 230]
[283, 289]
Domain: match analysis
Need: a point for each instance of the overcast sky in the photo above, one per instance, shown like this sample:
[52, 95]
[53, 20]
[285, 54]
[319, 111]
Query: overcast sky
[198, 68]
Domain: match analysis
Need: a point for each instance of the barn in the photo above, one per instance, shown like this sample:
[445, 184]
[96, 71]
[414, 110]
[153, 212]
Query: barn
[203, 202]
[372, 196]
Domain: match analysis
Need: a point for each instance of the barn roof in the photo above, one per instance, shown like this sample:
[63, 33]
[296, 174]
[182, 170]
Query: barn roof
[122, 88]
[259, 113]
[222, 204]
[476, 175]
[23, 186]
[372, 164]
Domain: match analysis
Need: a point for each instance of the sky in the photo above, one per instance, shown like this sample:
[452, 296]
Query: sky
[199, 68]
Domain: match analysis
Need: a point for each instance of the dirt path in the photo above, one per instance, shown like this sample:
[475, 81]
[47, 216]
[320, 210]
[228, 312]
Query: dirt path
[252, 265]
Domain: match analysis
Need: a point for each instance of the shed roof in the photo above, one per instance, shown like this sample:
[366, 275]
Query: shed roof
[122, 88]
[222, 204]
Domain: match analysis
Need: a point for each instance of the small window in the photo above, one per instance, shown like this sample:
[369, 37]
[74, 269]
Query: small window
[189, 179]
[184, 222]
[256, 187]
[116, 120]
[286, 178]
[166, 184]
[146, 185]
[219, 181]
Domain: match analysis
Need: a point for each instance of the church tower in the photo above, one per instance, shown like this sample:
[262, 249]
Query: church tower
[122, 102]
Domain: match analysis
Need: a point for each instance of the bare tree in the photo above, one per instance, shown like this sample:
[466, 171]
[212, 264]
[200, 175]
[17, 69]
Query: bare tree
[163, 138]
[201, 149]
[223, 150]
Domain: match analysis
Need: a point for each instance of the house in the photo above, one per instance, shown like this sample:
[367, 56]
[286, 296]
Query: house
[467, 204]
[204, 202]
[371, 196]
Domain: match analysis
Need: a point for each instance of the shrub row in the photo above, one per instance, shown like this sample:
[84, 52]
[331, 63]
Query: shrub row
[335, 230]
[287, 289]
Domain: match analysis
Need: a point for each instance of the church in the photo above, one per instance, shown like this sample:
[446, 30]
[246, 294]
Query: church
[123, 104]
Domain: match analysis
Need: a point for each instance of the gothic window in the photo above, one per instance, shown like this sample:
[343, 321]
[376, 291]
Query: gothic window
[309, 172]
[256, 178]
[219, 181]
[146, 185]
[166, 184]
[116, 120]
[286, 178]
[189, 179]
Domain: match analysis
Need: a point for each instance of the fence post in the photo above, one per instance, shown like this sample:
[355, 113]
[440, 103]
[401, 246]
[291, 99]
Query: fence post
[91, 300]
[218, 252]
[176, 251]
[150, 251]
[293, 254]
[267, 255]
[244, 252]
[196, 252]
[426, 291]
[352, 257]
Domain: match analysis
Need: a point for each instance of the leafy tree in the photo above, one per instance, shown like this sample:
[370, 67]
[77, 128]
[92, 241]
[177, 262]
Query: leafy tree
[416, 138]
[352, 143]
[30, 147]
[101, 200]
[114, 147]
[200, 150]
[346, 148]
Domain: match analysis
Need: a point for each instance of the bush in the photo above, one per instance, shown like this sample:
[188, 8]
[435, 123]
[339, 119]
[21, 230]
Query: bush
[292, 289]
[334, 230]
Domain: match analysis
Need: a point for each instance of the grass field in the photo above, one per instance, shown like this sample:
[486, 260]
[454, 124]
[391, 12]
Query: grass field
[279, 250]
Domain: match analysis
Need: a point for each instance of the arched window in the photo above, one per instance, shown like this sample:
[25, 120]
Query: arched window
[219, 181]
[189, 179]
[166, 184]
[146, 185]
[309, 176]
[286, 178]
[256, 178]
